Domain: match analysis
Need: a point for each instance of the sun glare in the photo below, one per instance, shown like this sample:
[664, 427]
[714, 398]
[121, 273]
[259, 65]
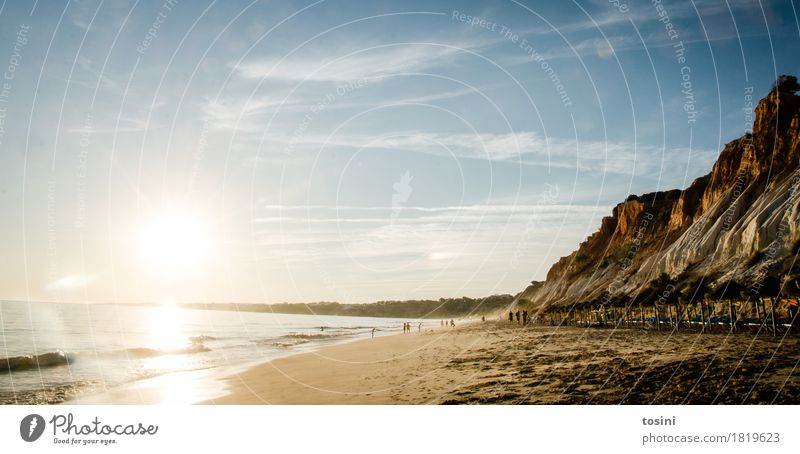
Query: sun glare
[166, 327]
[175, 243]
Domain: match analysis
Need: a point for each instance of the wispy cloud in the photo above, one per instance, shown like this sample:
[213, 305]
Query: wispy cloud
[425, 236]
[645, 13]
[525, 147]
[373, 63]
[81, 13]
[71, 282]
[618, 35]
[121, 124]
[331, 214]
[239, 115]
[251, 115]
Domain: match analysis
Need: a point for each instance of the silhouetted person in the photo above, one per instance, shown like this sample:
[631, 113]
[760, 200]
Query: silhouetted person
[511, 317]
[419, 328]
[373, 332]
[483, 318]
[517, 314]
[524, 317]
[452, 323]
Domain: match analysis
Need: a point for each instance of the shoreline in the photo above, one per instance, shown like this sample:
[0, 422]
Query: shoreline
[501, 363]
[204, 385]
[350, 373]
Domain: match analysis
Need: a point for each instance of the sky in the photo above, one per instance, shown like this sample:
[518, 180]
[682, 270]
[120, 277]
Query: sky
[211, 151]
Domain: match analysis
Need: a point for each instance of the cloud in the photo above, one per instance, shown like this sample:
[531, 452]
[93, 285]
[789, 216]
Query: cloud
[603, 48]
[421, 237]
[373, 63]
[82, 12]
[524, 147]
[618, 35]
[116, 125]
[71, 282]
[644, 13]
[332, 214]
[252, 114]
[239, 115]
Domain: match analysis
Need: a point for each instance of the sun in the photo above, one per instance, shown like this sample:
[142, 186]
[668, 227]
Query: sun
[175, 242]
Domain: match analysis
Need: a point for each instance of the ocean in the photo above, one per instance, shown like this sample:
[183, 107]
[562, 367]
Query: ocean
[52, 352]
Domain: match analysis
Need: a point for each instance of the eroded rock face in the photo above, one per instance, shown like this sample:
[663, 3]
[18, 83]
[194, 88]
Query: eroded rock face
[738, 222]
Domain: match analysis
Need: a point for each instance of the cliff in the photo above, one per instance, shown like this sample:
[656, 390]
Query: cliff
[738, 223]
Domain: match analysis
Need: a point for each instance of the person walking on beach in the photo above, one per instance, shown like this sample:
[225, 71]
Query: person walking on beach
[452, 323]
[511, 317]
[524, 317]
[517, 316]
[404, 327]
[419, 328]
[373, 332]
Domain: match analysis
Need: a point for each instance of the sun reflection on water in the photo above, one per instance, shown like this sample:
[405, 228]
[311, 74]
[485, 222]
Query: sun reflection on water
[180, 388]
[166, 328]
[166, 334]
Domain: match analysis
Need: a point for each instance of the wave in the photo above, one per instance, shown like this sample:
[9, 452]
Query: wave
[143, 352]
[60, 358]
[309, 336]
[25, 362]
[201, 338]
[293, 339]
[345, 328]
[281, 344]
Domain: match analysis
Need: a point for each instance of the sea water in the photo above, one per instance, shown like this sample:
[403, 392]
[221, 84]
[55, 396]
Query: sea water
[51, 352]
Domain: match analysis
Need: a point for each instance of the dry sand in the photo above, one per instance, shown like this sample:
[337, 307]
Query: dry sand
[496, 362]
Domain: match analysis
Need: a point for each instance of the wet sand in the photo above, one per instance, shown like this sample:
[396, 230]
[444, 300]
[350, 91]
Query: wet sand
[501, 363]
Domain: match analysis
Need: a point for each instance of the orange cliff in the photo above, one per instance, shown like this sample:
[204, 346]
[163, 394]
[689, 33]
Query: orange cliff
[737, 223]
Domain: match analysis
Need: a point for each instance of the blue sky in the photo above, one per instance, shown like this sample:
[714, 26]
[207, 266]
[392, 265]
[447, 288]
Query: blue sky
[352, 151]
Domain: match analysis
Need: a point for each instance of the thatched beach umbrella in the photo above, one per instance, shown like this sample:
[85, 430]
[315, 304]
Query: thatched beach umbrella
[650, 296]
[730, 291]
[790, 288]
[770, 287]
[696, 291]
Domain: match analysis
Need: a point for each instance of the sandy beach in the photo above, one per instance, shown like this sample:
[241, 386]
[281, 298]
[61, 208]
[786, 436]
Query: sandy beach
[502, 363]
